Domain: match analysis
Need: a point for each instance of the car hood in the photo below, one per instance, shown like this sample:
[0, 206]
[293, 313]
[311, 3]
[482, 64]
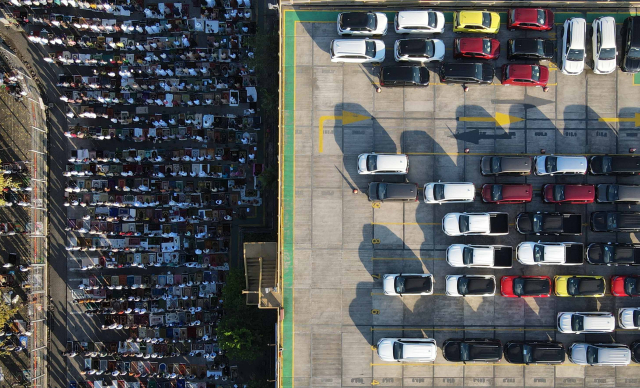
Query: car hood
[626, 318]
[438, 48]
[362, 163]
[454, 255]
[605, 66]
[525, 252]
[573, 67]
[388, 284]
[385, 349]
[631, 65]
[561, 286]
[599, 221]
[440, 21]
[380, 50]
[452, 285]
[451, 225]
[428, 192]
[564, 322]
[579, 353]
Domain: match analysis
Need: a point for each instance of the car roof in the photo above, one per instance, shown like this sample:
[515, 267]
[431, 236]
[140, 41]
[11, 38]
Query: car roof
[525, 45]
[401, 190]
[473, 45]
[417, 283]
[628, 193]
[355, 19]
[591, 285]
[418, 350]
[527, 15]
[578, 191]
[515, 163]
[484, 350]
[536, 286]
[459, 191]
[613, 355]
[635, 30]
[571, 163]
[390, 162]
[625, 163]
[471, 17]
[413, 46]
[349, 46]
[578, 33]
[515, 190]
[547, 353]
[608, 25]
[398, 73]
[454, 69]
[414, 18]
[480, 285]
[598, 322]
[520, 71]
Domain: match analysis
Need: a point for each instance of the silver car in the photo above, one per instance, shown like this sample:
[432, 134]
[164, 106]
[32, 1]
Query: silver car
[582, 353]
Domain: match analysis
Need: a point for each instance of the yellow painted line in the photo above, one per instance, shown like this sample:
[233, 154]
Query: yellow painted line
[346, 118]
[406, 223]
[507, 329]
[500, 119]
[408, 258]
[635, 120]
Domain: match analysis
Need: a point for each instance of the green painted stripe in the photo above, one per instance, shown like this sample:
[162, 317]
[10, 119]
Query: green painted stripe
[636, 79]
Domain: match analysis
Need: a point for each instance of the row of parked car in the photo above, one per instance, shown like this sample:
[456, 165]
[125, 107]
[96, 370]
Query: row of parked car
[515, 352]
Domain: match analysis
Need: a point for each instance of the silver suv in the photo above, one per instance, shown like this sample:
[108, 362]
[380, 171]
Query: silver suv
[582, 353]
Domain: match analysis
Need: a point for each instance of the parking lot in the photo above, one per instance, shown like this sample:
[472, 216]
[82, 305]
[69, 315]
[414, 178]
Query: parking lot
[336, 245]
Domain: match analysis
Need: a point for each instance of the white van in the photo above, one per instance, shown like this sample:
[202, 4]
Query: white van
[407, 349]
[591, 322]
[357, 50]
[573, 46]
[419, 22]
[449, 192]
[381, 164]
[604, 45]
[582, 353]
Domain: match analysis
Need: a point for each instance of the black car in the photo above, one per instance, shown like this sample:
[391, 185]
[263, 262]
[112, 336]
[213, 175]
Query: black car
[530, 48]
[534, 352]
[615, 165]
[618, 193]
[613, 221]
[478, 73]
[635, 351]
[404, 76]
[381, 191]
[505, 165]
[549, 223]
[613, 254]
[472, 349]
[630, 60]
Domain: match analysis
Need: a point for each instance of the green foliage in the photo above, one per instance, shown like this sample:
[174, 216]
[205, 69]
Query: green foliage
[241, 333]
[6, 181]
[265, 62]
[269, 177]
[260, 384]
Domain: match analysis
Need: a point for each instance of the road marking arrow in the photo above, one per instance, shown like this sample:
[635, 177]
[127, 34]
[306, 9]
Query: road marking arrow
[501, 119]
[635, 120]
[346, 118]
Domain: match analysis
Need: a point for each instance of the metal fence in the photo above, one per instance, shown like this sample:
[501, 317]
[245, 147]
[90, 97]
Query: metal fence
[37, 281]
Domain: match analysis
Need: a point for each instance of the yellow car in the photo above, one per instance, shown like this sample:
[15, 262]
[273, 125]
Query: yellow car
[575, 285]
[484, 22]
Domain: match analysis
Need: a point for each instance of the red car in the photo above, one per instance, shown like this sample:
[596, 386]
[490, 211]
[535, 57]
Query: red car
[525, 75]
[626, 285]
[530, 19]
[478, 48]
[511, 193]
[525, 286]
[557, 193]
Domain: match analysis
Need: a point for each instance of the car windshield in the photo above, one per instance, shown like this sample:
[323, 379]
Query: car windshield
[551, 164]
[397, 350]
[631, 286]
[464, 352]
[464, 224]
[486, 19]
[573, 284]
[462, 286]
[370, 49]
[431, 19]
[538, 253]
[592, 355]
[612, 221]
[372, 21]
[607, 54]
[496, 193]
[636, 318]
[541, 16]
[382, 191]
[478, 71]
[526, 353]
[535, 73]
[577, 322]
[575, 55]
[612, 192]
[430, 49]
[438, 191]
[496, 164]
[608, 253]
[537, 223]
[486, 46]
[518, 286]
[558, 192]
[372, 163]
[634, 53]
[399, 283]
[467, 255]
[606, 164]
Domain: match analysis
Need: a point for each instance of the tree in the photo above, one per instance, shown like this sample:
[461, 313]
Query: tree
[269, 177]
[6, 312]
[6, 182]
[240, 332]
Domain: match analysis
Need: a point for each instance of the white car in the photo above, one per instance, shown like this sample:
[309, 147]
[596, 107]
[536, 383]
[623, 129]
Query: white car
[362, 23]
[591, 322]
[470, 285]
[560, 165]
[532, 253]
[419, 50]
[407, 284]
[407, 349]
[449, 192]
[382, 164]
[419, 22]
[629, 317]
[582, 353]
[573, 46]
[357, 50]
[469, 224]
[604, 45]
